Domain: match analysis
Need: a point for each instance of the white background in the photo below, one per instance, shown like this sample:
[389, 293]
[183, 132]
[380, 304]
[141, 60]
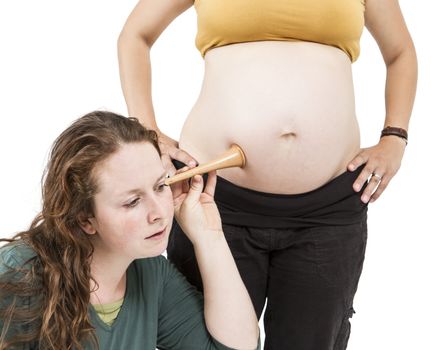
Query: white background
[58, 61]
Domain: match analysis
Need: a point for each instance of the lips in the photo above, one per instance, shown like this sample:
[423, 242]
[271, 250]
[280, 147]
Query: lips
[157, 234]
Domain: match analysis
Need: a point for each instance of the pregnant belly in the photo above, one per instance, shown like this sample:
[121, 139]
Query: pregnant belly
[292, 115]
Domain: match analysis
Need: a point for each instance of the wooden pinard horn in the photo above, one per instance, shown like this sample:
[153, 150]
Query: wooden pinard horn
[233, 157]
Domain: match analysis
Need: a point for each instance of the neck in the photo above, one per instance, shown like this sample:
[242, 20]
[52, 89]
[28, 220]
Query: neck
[109, 271]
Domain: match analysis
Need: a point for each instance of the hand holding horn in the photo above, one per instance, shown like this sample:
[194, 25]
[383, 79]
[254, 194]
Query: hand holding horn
[233, 157]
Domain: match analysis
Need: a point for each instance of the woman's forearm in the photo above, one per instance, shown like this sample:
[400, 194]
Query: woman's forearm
[401, 81]
[229, 312]
[135, 75]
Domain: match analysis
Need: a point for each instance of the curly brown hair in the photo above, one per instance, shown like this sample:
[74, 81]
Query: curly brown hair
[48, 296]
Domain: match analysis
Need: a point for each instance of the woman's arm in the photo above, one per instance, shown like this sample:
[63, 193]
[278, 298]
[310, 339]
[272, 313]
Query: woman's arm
[181, 323]
[144, 25]
[384, 20]
[229, 313]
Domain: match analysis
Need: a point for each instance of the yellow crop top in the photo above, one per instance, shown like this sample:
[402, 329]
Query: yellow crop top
[337, 23]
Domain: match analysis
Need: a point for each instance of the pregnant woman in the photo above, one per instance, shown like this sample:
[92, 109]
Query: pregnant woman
[278, 82]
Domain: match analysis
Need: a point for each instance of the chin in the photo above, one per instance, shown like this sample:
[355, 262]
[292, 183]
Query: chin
[157, 250]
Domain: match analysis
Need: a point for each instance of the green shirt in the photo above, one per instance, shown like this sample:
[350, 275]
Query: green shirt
[160, 309]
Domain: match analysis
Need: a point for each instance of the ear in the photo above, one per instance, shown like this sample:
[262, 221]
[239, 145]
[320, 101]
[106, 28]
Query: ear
[87, 224]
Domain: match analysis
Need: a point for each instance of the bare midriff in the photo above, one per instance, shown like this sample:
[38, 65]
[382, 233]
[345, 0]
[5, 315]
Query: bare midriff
[289, 105]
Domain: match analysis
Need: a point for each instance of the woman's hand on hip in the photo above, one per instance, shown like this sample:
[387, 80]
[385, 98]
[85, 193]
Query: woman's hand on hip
[382, 161]
[169, 149]
[195, 209]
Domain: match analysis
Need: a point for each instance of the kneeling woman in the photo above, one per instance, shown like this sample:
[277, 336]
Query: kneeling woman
[88, 273]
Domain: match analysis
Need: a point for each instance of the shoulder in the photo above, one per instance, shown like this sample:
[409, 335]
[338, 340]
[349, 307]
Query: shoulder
[156, 271]
[15, 255]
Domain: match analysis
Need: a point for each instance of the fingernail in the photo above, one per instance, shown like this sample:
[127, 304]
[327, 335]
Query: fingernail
[365, 198]
[192, 163]
[351, 167]
[357, 187]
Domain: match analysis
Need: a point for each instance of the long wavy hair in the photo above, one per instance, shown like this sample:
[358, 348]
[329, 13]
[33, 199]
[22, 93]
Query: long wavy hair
[49, 299]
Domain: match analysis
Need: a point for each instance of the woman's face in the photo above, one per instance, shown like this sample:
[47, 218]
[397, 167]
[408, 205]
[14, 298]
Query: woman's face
[132, 206]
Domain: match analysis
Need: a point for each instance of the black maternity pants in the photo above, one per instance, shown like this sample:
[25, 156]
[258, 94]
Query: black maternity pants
[302, 253]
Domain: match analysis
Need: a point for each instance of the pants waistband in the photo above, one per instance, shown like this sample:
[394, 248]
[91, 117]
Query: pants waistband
[334, 203]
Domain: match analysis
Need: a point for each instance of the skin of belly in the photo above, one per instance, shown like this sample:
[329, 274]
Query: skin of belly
[290, 107]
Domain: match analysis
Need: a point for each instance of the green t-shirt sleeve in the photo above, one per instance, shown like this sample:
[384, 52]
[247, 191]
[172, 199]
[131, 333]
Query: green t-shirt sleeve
[14, 257]
[181, 315]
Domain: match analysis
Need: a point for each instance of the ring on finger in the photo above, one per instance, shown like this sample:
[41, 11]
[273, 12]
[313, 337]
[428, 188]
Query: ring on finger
[378, 176]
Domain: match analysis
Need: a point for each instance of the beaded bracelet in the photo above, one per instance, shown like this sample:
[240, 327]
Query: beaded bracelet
[400, 132]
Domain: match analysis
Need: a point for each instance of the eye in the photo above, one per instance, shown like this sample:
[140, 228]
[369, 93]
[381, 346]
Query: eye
[133, 203]
[161, 188]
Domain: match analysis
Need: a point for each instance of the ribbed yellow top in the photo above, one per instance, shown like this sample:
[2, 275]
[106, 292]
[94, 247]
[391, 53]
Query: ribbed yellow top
[108, 312]
[338, 23]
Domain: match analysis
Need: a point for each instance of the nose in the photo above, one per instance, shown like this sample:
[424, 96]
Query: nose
[156, 209]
